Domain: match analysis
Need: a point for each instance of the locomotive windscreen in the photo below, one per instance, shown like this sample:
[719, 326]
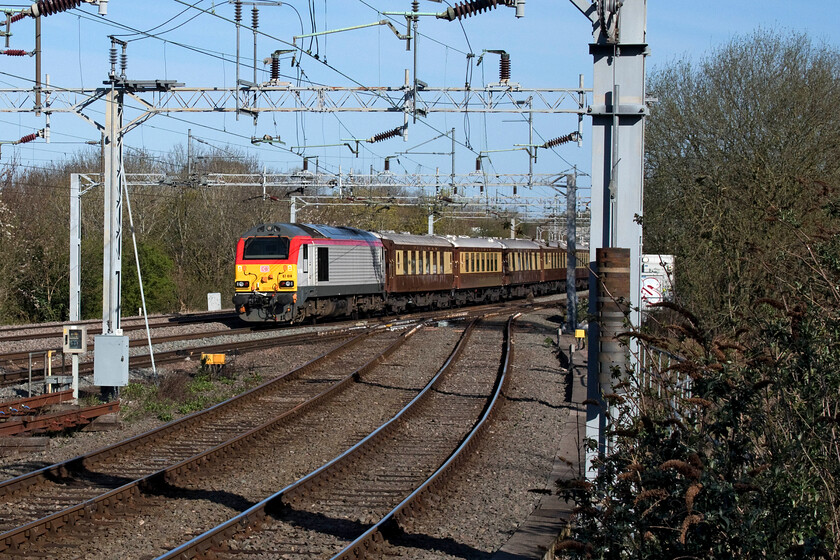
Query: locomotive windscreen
[266, 248]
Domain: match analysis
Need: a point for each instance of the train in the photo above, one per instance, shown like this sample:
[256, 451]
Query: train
[293, 272]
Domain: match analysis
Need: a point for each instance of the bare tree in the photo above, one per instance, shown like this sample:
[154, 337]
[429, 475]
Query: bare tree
[740, 148]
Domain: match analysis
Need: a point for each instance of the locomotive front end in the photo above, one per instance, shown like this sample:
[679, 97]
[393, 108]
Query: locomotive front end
[266, 276]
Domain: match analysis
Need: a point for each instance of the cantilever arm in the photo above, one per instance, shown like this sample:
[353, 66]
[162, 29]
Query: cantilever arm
[587, 8]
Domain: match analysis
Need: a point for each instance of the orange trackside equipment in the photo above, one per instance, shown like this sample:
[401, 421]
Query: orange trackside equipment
[213, 359]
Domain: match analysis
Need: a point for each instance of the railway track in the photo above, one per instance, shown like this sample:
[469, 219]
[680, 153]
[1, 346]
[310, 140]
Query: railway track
[49, 491]
[57, 421]
[14, 333]
[93, 516]
[144, 360]
[111, 505]
[347, 508]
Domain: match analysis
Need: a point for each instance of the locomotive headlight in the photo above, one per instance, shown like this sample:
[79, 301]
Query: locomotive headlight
[242, 284]
[287, 284]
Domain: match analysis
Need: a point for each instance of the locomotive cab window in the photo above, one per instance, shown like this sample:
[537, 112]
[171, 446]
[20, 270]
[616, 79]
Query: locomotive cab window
[266, 248]
[323, 264]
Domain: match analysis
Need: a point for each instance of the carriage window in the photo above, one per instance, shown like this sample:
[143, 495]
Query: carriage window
[435, 259]
[483, 262]
[421, 256]
[266, 248]
[426, 257]
[447, 263]
[399, 263]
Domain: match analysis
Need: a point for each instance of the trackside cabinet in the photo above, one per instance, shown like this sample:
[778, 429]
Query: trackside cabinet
[110, 361]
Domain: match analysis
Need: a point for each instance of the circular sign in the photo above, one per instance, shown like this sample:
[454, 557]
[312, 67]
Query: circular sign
[651, 290]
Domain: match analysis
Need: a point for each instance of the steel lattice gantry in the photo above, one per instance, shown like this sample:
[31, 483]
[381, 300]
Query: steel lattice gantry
[167, 97]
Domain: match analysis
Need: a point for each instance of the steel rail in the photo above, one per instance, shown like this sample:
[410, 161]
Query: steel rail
[53, 330]
[65, 468]
[30, 404]
[252, 517]
[58, 421]
[154, 482]
[143, 360]
[369, 544]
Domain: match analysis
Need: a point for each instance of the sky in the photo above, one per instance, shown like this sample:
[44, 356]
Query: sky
[194, 42]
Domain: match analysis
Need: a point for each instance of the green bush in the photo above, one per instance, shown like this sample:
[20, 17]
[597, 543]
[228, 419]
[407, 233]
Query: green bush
[744, 465]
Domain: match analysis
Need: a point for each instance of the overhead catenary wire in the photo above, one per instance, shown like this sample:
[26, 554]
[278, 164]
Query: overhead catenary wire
[299, 77]
[195, 6]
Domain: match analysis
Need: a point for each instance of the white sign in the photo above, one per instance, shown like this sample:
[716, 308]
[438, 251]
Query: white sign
[657, 282]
